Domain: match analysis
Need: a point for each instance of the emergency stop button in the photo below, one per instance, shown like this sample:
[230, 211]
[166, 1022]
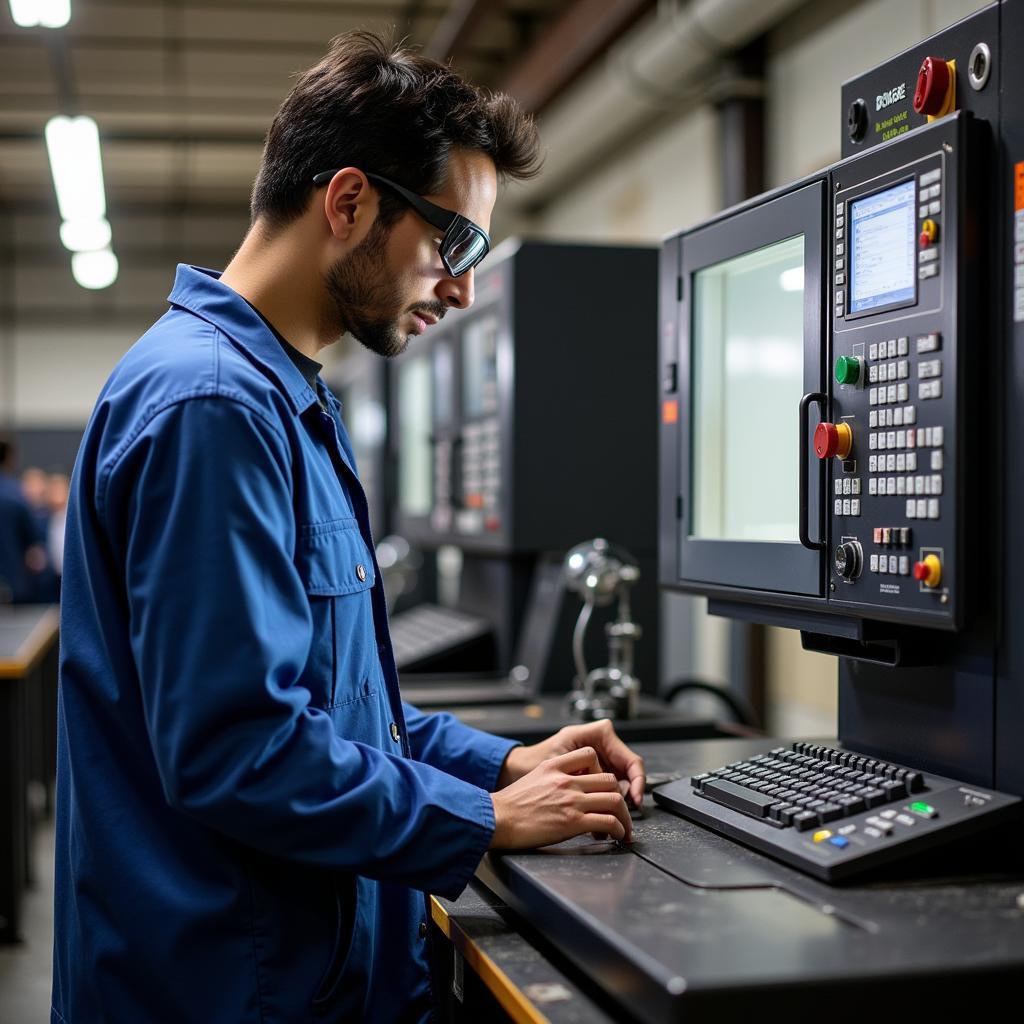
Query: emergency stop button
[929, 232]
[928, 571]
[833, 439]
[935, 93]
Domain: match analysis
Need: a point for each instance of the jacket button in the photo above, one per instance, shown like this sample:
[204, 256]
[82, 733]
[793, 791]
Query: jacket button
[423, 929]
[361, 573]
[395, 734]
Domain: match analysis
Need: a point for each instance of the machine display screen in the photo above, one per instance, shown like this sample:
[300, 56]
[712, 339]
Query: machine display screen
[480, 367]
[883, 260]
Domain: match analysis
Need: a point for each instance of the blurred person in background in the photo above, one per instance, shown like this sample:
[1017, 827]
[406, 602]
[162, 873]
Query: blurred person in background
[57, 486]
[22, 546]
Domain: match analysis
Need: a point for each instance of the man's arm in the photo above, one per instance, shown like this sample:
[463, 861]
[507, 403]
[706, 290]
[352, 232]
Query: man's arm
[220, 630]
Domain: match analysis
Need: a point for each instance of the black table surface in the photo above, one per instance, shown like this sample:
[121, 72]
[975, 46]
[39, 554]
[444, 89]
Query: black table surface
[689, 925]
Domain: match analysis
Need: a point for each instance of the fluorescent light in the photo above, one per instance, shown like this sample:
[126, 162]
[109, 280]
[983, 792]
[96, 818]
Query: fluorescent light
[85, 235]
[74, 147]
[94, 269]
[792, 280]
[45, 13]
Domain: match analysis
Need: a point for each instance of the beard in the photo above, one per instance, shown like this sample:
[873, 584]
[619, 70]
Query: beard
[367, 301]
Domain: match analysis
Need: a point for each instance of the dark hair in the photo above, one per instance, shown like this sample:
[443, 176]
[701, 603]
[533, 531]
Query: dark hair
[389, 110]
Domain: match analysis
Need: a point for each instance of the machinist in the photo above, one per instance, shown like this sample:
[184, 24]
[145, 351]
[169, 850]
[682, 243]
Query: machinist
[248, 816]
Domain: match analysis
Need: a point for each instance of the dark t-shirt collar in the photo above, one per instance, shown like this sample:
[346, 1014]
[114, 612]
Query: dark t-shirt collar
[309, 368]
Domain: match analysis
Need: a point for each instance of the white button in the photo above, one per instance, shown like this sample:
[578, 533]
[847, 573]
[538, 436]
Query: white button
[936, 460]
[887, 815]
[873, 485]
[927, 255]
[922, 211]
[891, 348]
[856, 485]
[910, 414]
[873, 396]
[919, 485]
[873, 563]
[890, 439]
[890, 485]
[937, 436]
[839, 249]
[839, 506]
[855, 506]
[890, 463]
[922, 508]
[872, 463]
[873, 350]
[903, 346]
[933, 508]
[901, 439]
[839, 209]
[839, 486]
[840, 278]
[840, 295]
[929, 176]
[911, 462]
[911, 508]
[892, 393]
[936, 483]
[846, 507]
[901, 485]
[904, 565]
[873, 373]
[872, 441]
[883, 563]
[889, 420]
[902, 392]
[901, 463]
[929, 368]
[904, 369]
[898, 416]
[928, 270]
[934, 207]
[840, 263]
[846, 485]
[873, 418]
[906, 819]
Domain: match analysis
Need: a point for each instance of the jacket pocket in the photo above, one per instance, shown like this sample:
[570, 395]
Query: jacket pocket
[346, 899]
[337, 572]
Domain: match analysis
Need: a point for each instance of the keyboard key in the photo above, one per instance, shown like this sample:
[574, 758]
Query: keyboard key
[739, 798]
[805, 820]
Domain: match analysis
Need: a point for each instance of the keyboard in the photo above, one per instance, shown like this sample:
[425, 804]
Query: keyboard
[832, 812]
[428, 630]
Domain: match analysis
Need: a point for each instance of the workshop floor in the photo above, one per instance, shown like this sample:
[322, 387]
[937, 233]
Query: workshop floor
[26, 968]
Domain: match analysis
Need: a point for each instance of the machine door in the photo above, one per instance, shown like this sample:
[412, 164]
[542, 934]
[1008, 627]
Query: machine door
[751, 346]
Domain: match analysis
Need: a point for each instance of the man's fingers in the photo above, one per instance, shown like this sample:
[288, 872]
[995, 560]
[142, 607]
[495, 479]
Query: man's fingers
[598, 782]
[604, 825]
[582, 760]
[610, 803]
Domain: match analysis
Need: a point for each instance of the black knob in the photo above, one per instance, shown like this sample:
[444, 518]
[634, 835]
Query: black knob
[857, 120]
[848, 560]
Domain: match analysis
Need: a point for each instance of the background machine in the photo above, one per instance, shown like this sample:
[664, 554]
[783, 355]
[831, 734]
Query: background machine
[552, 358]
[841, 404]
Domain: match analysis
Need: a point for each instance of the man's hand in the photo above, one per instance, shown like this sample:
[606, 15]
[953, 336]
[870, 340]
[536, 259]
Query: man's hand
[562, 797]
[613, 754]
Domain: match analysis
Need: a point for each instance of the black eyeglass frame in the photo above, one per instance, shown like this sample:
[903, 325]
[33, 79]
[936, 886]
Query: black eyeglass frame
[451, 223]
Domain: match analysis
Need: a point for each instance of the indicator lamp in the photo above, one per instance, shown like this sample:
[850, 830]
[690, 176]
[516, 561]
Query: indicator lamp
[847, 370]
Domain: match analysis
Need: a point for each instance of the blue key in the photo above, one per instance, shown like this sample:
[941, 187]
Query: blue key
[840, 841]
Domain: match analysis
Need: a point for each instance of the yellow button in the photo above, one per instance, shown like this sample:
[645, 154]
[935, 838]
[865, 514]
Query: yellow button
[820, 837]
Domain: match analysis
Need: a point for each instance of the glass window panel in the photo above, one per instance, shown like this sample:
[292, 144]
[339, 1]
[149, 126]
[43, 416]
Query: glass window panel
[415, 453]
[748, 361]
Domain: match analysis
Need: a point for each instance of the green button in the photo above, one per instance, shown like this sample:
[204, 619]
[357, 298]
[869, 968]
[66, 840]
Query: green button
[926, 810]
[847, 370]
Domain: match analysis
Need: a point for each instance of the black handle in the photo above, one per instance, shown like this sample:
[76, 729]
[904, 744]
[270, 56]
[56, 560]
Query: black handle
[817, 398]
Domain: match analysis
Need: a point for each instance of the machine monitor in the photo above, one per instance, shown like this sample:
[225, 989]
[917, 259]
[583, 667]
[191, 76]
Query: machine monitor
[883, 249]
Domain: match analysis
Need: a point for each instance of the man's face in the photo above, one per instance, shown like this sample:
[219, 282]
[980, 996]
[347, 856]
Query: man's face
[393, 285]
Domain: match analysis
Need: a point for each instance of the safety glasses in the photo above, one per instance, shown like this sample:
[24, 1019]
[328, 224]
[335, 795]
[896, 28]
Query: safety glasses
[464, 243]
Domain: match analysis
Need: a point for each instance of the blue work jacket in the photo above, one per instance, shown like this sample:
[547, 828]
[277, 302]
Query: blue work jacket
[247, 815]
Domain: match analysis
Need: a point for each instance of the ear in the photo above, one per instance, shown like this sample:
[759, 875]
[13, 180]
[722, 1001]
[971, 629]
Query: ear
[350, 205]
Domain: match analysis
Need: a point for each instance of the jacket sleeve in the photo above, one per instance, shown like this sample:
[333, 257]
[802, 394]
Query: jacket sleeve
[460, 750]
[200, 507]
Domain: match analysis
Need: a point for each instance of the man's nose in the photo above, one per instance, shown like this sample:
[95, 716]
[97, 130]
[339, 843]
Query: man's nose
[457, 291]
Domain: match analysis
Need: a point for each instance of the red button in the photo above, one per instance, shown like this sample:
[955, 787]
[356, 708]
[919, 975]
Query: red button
[920, 571]
[832, 439]
[932, 86]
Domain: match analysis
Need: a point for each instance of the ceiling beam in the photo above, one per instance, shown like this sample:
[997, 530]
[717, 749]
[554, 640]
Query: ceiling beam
[458, 24]
[569, 47]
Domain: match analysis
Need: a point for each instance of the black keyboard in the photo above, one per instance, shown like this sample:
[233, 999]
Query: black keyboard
[833, 812]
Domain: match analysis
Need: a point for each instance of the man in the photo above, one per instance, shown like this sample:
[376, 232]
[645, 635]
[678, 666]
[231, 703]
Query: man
[22, 555]
[248, 817]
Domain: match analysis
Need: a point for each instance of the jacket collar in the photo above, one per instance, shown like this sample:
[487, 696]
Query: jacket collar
[201, 292]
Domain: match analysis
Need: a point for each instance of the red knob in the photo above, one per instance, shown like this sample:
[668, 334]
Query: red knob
[832, 439]
[932, 86]
[920, 571]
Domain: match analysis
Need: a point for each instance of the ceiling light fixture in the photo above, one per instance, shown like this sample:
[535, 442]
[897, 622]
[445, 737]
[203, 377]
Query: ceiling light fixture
[41, 13]
[94, 269]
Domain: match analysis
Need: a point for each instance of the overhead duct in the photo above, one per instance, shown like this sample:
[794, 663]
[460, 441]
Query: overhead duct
[659, 61]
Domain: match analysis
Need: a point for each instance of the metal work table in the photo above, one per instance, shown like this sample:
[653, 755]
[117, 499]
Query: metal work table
[690, 926]
[28, 703]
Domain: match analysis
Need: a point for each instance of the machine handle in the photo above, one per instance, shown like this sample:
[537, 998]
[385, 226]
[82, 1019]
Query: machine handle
[819, 399]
